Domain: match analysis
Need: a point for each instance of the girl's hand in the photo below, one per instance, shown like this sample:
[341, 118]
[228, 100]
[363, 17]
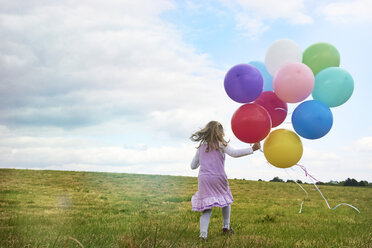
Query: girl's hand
[256, 146]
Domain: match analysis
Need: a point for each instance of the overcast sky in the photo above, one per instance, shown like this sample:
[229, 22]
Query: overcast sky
[119, 86]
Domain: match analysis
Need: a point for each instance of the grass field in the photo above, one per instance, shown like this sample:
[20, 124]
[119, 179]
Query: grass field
[86, 209]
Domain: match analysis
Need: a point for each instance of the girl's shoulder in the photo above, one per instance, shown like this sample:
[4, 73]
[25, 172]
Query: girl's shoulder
[204, 147]
[222, 146]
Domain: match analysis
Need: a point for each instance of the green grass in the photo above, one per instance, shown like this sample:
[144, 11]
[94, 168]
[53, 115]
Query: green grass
[63, 209]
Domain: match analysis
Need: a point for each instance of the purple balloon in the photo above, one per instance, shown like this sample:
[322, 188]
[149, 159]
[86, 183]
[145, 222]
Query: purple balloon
[243, 83]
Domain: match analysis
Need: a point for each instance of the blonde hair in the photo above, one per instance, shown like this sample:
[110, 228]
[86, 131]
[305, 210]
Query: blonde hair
[212, 134]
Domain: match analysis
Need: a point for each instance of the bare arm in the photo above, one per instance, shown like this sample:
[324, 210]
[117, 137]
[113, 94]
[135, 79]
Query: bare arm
[195, 161]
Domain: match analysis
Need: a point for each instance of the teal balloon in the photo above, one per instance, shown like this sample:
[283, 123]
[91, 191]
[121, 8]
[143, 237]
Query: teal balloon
[333, 86]
[267, 78]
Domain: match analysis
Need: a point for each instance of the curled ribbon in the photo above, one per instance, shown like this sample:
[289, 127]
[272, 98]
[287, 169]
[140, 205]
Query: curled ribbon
[306, 173]
[346, 205]
[311, 178]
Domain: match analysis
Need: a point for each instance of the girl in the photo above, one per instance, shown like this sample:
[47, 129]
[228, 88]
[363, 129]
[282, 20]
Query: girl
[213, 187]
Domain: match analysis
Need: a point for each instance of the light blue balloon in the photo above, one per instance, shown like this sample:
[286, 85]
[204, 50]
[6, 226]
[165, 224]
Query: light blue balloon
[267, 78]
[333, 86]
[312, 119]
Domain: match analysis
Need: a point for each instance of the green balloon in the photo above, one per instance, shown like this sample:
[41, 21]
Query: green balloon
[333, 86]
[320, 56]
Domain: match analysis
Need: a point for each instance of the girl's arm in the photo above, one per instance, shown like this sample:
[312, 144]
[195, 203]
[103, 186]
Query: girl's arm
[195, 161]
[236, 153]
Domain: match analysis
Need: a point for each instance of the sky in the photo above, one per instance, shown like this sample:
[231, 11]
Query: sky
[119, 86]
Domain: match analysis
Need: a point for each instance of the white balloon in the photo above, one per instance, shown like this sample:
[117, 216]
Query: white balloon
[280, 53]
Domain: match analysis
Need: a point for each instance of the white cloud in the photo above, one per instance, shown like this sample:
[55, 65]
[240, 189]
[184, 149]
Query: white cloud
[291, 10]
[337, 165]
[346, 12]
[320, 157]
[363, 144]
[59, 151]
[253, 26]
[255, 17]
[89, 85]
[90, 154]
[182, 122]
[79, 64]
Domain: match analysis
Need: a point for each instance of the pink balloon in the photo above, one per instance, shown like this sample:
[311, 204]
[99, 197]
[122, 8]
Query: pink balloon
[276, 107]
[293, 82]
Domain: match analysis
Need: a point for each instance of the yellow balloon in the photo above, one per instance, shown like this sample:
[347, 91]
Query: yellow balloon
[283, 148]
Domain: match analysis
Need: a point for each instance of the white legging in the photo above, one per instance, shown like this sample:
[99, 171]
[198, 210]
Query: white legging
[206, 215]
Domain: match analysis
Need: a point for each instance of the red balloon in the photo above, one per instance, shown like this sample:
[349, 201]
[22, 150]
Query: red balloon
[251, 123]
[277, 108]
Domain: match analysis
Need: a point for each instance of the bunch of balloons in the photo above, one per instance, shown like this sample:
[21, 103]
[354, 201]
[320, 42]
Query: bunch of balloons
[288, 75]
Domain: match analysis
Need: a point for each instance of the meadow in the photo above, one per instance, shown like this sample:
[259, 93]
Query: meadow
[88, 209]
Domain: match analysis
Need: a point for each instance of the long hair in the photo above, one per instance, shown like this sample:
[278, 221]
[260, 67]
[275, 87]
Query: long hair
[212, 134]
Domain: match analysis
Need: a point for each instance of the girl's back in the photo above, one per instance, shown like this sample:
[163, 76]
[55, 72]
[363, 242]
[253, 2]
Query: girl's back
[211, 162]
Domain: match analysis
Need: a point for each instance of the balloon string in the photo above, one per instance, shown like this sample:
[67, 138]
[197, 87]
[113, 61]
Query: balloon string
[346, 205]
[306, 173]
[283, 110]
[296, 182]
[320, 193]
[311, 178]
[307, 194]
[302, 203]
